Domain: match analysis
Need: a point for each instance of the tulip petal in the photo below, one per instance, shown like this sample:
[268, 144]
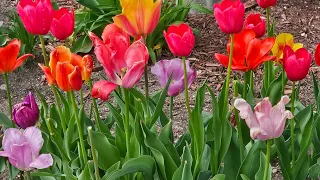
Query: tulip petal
[43, 18]
[51, 80]
[152, 16]
[102, 89]
[223, 59]
[21, 59]
[59, 54]
[317, 55]
[5, 154]
[258, 133]
[23, 117]
[34, 137]
[128, 24]
[87, 61]
[246, 113]
[12, 136]
[21, 156]
[75, 79]
[297, 46]
[133, 75]
[42, 162]
[136, 53]
[8, 56]
[63, 71]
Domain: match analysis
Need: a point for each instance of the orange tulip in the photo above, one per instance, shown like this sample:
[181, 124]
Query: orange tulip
[139, 17]
[67, 70]
[9, 55]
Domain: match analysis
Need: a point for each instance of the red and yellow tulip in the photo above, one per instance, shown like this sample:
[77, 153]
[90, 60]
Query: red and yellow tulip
[138, 17]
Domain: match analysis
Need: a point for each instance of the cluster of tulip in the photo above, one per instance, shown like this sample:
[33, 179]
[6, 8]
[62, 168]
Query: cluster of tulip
[212, 148]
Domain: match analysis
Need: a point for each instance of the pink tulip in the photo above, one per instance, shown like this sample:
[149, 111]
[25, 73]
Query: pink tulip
[266, 3]
[22, 149]
[62, 24]
[266, 122]
[255, 23]
[123, 63]
[36, 15]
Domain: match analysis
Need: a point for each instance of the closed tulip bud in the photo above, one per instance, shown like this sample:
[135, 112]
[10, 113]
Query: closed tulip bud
[266, 3]
[300, 59]
[26, 114]
[180, 39]
[229, 15]
[62, 24]
[255, 23]
[36, 15]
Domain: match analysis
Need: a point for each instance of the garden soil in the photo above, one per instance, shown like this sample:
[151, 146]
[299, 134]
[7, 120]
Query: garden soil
[299, 17]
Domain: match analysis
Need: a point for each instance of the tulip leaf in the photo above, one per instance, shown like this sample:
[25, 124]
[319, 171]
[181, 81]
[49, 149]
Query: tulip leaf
[184, 170]
[274, 90]
[4, 120]
[44, 174]
[144, 164]
[260, 173]
[219, 177]
[3, 39]
[116, 115]
[85, 174]
[82, 45]
[314, 171]
[97, 4]
[284, 157]
[200, 8]
[244, 177]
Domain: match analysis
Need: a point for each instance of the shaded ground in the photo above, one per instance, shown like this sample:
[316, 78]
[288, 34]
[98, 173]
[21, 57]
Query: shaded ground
[301, 18]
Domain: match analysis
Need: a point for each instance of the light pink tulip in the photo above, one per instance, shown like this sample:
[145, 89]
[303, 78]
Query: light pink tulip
[266, 122]
[22, 149]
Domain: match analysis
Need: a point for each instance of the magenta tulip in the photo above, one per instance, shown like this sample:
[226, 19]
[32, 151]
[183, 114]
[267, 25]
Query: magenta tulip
[229, 15]
[266, 3]
[163, 70]
[266, 122]
[36, 15]
[22, 149]
[62, 24]
[26, 114]
[255, 23]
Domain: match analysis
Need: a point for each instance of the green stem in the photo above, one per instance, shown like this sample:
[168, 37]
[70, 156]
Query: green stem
[80, 131]
[44, 52]
[226, 94]
[81, 97]
[292, 122]
[268, 23]
[96, 110]
[251, 82]
[58, 105]
[186, 92]
[126, 123]
[236, 112]
[94, 156]
[246, 82]
[28, 175]
[146, 90]
[6, 79]
[283, 80]
[266, 171]
[171, 108]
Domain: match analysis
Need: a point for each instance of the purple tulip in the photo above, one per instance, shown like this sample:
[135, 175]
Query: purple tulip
[26, 114]
[22, 149]
[163, 70]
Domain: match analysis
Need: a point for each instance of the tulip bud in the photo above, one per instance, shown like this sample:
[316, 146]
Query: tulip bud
[26, 114]
[62, 24]
[255, 23]
[180, 39]
[266, 3]
[317, 55]
[229, 15]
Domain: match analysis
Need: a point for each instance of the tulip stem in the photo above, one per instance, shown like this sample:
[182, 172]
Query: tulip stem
[292, 122]
[80, 131]
[146, 89]
[266, 171]
[236, 112]
[126, 123]
[44, 52]
[9, 97]
[28, 175]
[96, 110]
[186, 92]
[283, 80]
[226, 93]
[58, 105]
[251, 82]
[81, 97]
[245, 87]
[171, 108]
[94, 156]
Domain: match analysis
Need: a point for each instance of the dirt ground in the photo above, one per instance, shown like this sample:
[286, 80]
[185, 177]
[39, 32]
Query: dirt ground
[299, 17]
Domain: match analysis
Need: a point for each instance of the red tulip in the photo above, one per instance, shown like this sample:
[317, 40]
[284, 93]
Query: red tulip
[36, 15]
[9, 55]
[266, 3]
[255, 23]
[317, 55]
[249, 52]
[296, 63]
[180, 39]
[62, 24]
[229, 15]
[123, 63]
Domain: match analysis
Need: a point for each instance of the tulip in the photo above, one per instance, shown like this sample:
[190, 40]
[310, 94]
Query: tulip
[255, 23]
[249, 52]
[139, 17]
[8, 57]
[229, 16]
[26, 114]
[23, 147]
[164, 68]
[123, 65]
[296, 64]
[36, 15]
[180, 39]
[266, 122]
[266, 3]
[282, 40]
[317, 55]
[62, 24]
[66, 70]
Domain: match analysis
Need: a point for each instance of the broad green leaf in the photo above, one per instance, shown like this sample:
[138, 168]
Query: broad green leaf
[184, 171]
[314, 171]
[39, 174]
[121, 141]
[304, 170]
[97, 4]
[85, 174]
[284, 157]
[200, 8]
[2, 164]
[111, 170]
[3, 39]
[4, 120]
[83, 45]
[219, 177]
[274, 89]
[261, 171]
[244, 177]
[232, 159]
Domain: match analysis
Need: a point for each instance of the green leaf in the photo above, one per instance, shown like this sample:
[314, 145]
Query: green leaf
[4, 120]
[43, 174]
[284, 157]
[314, 171]
[3, 39]
[260, 173]
[97, 4]
[244, 177]
[102, 145]
[144, 164]
[83, 45]
[2, 164]
[85, 174]
[111, 170]
[219, 177]
[200, 8]
[184, 171]
[274, 89]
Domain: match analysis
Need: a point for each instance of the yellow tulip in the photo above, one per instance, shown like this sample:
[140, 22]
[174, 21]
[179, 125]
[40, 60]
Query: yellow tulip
[138, 17]
[282, 40]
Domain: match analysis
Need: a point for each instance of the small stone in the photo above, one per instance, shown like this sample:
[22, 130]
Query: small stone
[274, 170]
[3, 87]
